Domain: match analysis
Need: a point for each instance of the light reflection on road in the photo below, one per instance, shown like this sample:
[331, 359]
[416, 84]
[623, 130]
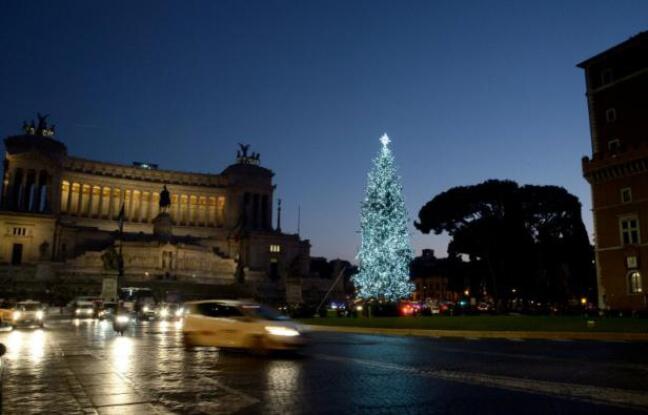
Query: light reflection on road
[122, 353]
[28, 342]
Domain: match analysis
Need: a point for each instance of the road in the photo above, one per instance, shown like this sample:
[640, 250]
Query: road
[81, 367]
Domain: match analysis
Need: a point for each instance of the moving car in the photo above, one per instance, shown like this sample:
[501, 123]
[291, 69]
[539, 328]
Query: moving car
[27, 313]
[239, 324]
[6, 311]
[170, 312]
[85, 310]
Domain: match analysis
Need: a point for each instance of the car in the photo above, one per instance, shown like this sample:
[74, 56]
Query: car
[85, 310]
[6, 311]
[28, 313]
[240, 324]
[170, 312]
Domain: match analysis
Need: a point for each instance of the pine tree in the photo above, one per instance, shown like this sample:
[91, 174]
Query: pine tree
[385, 251]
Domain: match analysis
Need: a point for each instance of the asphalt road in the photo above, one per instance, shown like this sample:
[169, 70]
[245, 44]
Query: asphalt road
[82, 367]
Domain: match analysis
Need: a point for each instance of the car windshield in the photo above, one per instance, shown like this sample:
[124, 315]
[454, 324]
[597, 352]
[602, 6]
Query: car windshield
[30, 307]
[263, 312]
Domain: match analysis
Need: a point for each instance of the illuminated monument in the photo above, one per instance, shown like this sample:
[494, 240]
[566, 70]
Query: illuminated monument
[186, 233]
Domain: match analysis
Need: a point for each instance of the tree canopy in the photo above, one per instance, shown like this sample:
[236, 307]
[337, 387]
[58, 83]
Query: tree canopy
[530, 238]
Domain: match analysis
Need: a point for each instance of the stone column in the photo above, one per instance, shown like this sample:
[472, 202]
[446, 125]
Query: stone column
[100, 207]
[80, 200]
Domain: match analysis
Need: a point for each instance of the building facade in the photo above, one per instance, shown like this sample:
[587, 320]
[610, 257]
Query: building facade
[617, 98]
[59, 217]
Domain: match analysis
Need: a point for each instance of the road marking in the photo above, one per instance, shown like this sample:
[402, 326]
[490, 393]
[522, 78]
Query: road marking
[472, 338]
[586, 393]
[515, 339]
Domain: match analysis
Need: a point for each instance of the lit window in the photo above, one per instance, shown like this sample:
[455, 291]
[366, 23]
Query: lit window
[614, 145]
[275, 248]
[20, 231]
[634, 282]
[626, 195]
[610, 115]
[630, 230]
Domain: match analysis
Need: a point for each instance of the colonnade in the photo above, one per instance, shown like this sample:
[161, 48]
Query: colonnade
[103, 202]
[27, 190]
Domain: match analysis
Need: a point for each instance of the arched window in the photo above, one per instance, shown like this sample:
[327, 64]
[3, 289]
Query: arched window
[634, 282]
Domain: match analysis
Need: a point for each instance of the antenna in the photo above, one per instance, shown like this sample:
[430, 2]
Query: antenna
[298, 218]
[278, 215]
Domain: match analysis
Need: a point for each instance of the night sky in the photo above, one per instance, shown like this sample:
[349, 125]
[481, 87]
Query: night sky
[466, 90]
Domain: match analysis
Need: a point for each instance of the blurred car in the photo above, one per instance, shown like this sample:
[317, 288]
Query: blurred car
[239, 324]
[28, 313]
[85, 310]
[148, 312]
[6, 311]
[446, 307]
[485, 307]
[170, 312]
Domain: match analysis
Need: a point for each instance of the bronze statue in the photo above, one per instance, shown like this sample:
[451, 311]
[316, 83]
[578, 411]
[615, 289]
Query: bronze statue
[165, 200]
[42, 121]
[244, 149]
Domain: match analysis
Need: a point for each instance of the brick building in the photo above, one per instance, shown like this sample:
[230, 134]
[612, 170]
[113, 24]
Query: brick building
[617, 98]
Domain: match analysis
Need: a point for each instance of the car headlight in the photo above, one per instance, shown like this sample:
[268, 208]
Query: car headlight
[40, 315]
[179, 312]
[77, 311]
[88, 311]
[164, 312]
[281, 331]
[16, 315]
[145, 309]
[123, 319]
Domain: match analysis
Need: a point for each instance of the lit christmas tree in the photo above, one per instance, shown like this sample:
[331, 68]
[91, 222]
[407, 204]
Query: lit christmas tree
[385, 251]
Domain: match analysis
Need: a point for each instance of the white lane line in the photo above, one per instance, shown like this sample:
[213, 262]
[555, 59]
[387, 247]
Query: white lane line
[472, 338]
[586, 393]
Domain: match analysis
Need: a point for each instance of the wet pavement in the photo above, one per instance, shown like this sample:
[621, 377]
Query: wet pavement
[82, 367]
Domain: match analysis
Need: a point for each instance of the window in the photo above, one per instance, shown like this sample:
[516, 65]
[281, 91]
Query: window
[218, 310]
[634, 282]
[610, 115]
[614, 145]
[629, 230]
[275, 248]
[20, 231]
[626, 195]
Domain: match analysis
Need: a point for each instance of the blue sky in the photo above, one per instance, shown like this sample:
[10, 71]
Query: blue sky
[467, 90]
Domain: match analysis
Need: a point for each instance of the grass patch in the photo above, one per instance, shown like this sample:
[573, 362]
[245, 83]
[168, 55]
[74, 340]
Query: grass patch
[492, 323]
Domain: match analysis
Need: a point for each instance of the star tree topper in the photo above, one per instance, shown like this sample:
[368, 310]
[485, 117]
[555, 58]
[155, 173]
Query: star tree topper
[385, 140]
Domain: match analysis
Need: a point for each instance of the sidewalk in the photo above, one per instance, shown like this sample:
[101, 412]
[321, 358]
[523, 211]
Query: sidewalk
[538, 335]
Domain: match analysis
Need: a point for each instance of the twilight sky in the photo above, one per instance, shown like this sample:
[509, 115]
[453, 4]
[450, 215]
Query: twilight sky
[467, 91]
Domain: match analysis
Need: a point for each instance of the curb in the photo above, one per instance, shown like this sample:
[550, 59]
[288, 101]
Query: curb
[537, 335]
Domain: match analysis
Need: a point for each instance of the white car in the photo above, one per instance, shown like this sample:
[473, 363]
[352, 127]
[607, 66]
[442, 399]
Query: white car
[239, 324]
[27, 313]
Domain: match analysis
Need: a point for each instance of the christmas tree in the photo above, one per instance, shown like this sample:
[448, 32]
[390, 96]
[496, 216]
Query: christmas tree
[385, 252]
